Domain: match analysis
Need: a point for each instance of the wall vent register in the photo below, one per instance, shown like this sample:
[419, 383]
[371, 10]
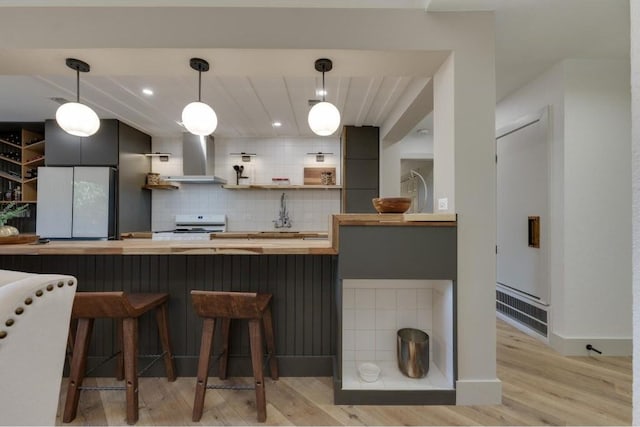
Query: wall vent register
[194, 227]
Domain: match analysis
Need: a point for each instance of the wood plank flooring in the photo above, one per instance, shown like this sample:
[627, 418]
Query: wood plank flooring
[540, 387]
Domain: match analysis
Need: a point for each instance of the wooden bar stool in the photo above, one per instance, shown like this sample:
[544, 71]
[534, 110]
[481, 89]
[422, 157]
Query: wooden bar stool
[125, 309]
[226, 306]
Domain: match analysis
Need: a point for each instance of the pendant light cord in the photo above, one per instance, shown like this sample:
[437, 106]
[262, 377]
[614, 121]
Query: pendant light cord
[78, 85]
[324, 91]
[199, 85]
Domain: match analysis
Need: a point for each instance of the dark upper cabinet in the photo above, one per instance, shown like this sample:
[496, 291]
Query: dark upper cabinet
[361, 170]
[117, 145]
[62, 148]
[362, 173]
[100, 149]
[361, 142]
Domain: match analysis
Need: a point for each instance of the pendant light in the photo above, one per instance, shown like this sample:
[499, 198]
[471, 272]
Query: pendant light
[73, 117]
[198, 117]
[324, 117]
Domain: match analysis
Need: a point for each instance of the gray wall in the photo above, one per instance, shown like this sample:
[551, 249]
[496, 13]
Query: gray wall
[134, 210]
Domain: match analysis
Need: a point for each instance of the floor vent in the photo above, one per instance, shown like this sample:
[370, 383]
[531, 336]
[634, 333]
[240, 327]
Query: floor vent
[522, 311]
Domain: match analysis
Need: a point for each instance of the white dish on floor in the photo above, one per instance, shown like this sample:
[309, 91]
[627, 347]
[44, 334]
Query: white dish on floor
[369, 372]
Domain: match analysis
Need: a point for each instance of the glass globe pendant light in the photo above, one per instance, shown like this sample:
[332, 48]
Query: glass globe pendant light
[324, 117]
[198, 117]
[73, 117]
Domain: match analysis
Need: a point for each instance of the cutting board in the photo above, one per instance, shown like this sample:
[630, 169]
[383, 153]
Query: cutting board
[312, 176]
[19, 239]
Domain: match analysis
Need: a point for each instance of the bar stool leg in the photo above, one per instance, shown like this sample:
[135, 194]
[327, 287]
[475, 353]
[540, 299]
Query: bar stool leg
[206, 344]
[271, 343]
[255, 339]
[78, 366]
[130, 338]
[224, 355]
[71, 339]
[120, 349]
[163, 330]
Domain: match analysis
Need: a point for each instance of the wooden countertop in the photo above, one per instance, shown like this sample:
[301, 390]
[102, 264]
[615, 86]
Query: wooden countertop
[269, 235]
[242, 243]
[389, 220]
[175, 247]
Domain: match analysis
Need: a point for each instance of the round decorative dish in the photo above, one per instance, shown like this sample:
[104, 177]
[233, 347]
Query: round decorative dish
[369, 372]
[392, 204]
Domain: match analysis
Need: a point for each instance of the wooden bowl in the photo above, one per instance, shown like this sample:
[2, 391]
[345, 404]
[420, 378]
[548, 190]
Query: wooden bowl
[392, 204]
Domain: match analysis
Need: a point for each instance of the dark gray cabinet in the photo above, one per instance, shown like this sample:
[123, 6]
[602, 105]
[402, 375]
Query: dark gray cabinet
[115, 144]
[361, 168]
[100, 149]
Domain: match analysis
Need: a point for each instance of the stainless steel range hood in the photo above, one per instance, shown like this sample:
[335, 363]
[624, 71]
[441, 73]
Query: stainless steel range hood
[198, 161]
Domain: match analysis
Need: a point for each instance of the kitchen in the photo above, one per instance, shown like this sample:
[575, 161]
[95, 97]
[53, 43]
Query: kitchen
[470, 119]
[466, 112]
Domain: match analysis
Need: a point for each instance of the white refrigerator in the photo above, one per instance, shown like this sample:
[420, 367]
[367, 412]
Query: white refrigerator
[76, 202]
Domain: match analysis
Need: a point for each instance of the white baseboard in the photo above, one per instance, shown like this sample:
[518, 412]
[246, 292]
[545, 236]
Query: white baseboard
[571, 346]
[478, 392]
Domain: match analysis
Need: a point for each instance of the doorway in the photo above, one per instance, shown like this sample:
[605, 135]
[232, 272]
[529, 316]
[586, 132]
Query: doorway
[416, 182]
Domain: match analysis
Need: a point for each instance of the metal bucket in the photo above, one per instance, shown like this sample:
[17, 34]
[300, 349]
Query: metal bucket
[413, 352]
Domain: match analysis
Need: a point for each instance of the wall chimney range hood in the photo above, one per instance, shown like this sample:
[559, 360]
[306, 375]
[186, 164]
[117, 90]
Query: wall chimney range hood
[198, 161]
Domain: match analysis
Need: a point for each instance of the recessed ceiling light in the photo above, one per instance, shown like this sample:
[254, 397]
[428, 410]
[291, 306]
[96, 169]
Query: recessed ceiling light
[147, 91]
[321, 92]
[276, 124]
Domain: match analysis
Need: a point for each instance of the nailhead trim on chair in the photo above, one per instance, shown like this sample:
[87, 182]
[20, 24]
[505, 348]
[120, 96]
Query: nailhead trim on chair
[28, 301]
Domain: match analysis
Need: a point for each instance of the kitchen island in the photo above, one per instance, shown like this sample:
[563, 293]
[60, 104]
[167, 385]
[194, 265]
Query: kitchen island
[235, 246]
[302, 275]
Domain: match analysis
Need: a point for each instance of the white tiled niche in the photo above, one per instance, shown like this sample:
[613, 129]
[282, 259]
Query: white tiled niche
[372, 313]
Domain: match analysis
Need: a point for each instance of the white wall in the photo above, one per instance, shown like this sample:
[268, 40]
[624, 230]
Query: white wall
[590, 265]
[597, 200]
[412, 146]
[444, 136]
[635, 122]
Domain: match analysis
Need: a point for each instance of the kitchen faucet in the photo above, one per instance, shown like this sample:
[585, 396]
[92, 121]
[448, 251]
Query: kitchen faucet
[283, 220]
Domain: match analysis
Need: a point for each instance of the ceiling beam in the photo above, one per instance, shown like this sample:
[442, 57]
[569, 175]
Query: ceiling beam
[414, 105]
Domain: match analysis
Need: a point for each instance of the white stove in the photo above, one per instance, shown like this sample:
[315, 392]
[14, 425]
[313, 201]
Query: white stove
[194, 227]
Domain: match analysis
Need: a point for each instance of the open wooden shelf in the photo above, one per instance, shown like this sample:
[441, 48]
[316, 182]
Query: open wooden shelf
[6, 202]
[31, 156]
[11, 177]
[280, 187]
[161, 187]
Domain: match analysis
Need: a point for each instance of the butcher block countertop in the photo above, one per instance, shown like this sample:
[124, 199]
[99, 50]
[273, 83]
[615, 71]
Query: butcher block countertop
[175, 247]
[389, 220]
[242, 244]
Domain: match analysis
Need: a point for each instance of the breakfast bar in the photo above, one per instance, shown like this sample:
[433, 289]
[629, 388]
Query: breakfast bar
[306, 277]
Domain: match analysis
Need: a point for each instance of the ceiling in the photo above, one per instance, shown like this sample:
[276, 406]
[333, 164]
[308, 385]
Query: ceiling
[249, 92]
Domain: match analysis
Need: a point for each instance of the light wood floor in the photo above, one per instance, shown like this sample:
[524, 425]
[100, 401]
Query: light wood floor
[539, 387]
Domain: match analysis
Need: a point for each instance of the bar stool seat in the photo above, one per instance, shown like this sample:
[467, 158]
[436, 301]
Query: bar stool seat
[256, 308]
[125, 309]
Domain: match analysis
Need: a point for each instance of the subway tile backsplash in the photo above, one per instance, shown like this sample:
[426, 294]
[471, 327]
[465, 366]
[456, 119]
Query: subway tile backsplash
[250, 210]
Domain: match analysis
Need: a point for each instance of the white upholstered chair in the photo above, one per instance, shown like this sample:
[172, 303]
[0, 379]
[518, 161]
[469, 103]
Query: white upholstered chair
[34, 323]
